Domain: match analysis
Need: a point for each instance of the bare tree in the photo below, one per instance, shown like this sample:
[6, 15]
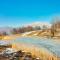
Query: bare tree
[55, 26]
[14, 31]
[4, 33]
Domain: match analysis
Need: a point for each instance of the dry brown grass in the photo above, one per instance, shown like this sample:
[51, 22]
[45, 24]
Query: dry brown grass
[38, 52]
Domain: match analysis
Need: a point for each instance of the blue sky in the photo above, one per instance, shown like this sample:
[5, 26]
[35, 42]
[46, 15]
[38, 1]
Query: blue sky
[19, 12]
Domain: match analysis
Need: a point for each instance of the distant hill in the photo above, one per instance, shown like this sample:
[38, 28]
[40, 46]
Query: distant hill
[35, 25]
[41, 24]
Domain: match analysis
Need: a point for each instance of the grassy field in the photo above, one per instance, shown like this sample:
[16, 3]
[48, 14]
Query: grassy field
[39, 52]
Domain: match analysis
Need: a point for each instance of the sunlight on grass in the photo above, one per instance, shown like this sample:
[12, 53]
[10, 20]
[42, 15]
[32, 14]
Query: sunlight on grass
[39, 52]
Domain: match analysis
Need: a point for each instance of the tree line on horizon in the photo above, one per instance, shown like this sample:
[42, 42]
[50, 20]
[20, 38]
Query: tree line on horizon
[55, 27]
[25, 29]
